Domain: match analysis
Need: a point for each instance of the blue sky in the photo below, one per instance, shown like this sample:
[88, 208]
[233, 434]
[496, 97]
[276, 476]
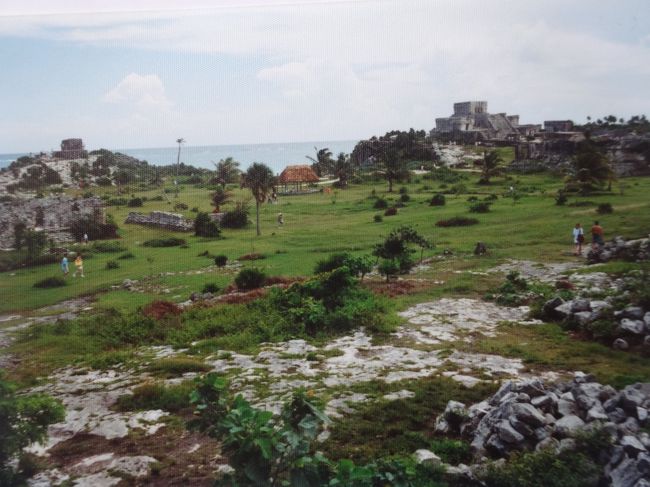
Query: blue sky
[279, 71]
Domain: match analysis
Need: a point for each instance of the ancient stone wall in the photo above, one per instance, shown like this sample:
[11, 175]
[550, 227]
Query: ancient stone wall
[161, 219]
[51, 215]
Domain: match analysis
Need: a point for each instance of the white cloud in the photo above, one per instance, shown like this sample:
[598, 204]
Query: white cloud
[144, 92]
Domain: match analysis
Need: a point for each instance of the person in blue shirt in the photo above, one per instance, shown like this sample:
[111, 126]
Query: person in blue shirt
[64, 265]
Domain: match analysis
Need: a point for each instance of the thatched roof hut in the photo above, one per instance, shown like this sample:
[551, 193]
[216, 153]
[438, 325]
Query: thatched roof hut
[297, 176]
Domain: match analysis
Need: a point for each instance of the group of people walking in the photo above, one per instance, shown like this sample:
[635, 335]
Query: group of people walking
[78, 264]
[579, 237]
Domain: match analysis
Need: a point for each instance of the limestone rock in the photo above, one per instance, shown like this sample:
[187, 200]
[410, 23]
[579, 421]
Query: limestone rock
[427, 457]
[528, 414]
[620, 344]
[636, 327]
[568, 425]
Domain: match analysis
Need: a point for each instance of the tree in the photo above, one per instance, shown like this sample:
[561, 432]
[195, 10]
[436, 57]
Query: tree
[260, 180]
[342, 169]
[220, 197]
[35, 242]
[391, 164]
[491, 167]
[322, 164]
[395, 252]
[227, 171]
[591, 169]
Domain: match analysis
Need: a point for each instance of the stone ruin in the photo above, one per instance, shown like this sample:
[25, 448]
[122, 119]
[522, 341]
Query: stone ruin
[50, 215]
[71, 149]
[161, 219]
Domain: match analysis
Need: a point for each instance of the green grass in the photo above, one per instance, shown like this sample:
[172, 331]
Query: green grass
[314, 227]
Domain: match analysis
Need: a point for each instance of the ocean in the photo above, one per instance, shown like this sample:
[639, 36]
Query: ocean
[276, 156]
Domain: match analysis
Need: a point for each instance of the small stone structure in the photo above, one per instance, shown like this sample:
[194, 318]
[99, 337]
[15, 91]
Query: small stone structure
[71, 149]
[51, 215]
[161, 219]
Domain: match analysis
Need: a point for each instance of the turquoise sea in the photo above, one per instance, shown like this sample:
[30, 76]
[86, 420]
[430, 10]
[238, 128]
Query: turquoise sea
[276, 156]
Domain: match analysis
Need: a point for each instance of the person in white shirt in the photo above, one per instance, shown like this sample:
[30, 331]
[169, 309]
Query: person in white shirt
[578, 238]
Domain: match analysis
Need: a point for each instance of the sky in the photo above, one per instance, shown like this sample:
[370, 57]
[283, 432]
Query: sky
[233, 72]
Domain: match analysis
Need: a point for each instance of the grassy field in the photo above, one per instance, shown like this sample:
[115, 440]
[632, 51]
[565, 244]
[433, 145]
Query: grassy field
[319, 224]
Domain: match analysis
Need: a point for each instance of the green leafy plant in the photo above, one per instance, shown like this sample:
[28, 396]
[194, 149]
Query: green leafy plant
[164, 242]
[457, 221]
[220, 260]
[112, 264]
[49, 282]
[248, 279]
[605, 208]
[204, 226]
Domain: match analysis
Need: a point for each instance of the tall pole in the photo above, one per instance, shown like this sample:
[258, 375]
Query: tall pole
[178, 162]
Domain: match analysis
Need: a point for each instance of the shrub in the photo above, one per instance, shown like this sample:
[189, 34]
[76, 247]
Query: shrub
[457, 221]
[135, 202]
[180, 206]
[459, 188]
[471, 199]
[561, 198]
[438, 199]
[112, 264]
[404, 198]
[210, 287]
[157, 396]
[248, 279]
[103, 181]
[220, 260]
[160, 309]
[110, 247]
[23, 420]
[164, 242]
[378, 218]
[49, 282]
[94, 228]
[126, 255]
[157, 198]
[403, 190]
[452, 451]
[195, 209]
[380, 204]
[252, 256]
[175, 366]
[445, 175]
[491, 197]
[237, 217]
[204, 226]
[390, 211]
[117, 202]
[605, 208]
[389, 268]
[334, 261]
[480, 207]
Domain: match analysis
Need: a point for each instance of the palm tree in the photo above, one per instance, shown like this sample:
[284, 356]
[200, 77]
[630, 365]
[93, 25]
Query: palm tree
[227, 171]
[323, 161]
[342, 169]
[491, 167]
[179, 141]
[260, 180]
[220, 197]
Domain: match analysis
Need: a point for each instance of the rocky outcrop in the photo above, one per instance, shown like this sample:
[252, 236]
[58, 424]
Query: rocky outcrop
[531, 415]
[161, 219]
[619, 248]
[51, 215]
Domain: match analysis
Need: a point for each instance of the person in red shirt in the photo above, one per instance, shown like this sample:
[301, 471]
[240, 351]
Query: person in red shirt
[596, 236]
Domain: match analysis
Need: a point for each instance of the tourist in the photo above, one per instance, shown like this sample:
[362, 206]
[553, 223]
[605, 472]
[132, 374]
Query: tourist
[79, 266]
[280, 219]
[64, 265]
[596, 236]
[85, 238]
[578, 238]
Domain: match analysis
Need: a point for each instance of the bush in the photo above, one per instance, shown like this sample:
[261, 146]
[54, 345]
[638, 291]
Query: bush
[237, 217]
[204, 226]
[103, 181]
[378, 218]
[445, 175]
[334, 261]
[164, 242]
[452, 452]
[220, 260]
[157, 396]
[403, 190]
[391, 211]
[561, 198]
[404, 198]
[49, 282]
[380, 204]
[210, 288]
[389, 268]
[180, 206]
[438, 199]
[605, 208]
[112, 264]
[160, 309]
[252, 256]
[480, 207]
[457, 221]
[491, 197]
[117, 202]
[126, 255]
[175, 366]
[248, 279]
[195, 209]
[472, 199]
[94, 228]
[157, 198]
[135, 202]
[110, 247]
[23, 420]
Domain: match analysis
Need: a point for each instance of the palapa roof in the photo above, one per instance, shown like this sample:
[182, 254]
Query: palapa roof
[298, 174]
